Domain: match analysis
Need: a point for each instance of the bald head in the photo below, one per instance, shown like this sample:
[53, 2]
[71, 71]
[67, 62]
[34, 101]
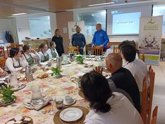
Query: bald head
[113, 62]
[98, 27]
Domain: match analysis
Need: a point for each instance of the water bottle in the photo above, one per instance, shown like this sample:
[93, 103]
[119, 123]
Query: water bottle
[58, 64]
[28, 73]
[13, 80]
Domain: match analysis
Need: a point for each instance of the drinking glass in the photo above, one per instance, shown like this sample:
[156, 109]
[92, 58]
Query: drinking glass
[59, 103]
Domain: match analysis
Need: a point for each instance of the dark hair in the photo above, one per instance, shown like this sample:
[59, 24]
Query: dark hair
[42, 45]
[26, 47]
[129, 52]
[96, 90]
[13, 52]
[128, 42]
[52, 43]
[56, 31]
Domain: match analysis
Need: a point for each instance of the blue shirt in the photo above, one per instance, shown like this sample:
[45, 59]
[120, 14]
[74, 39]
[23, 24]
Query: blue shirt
[78, 39]
[100, 38]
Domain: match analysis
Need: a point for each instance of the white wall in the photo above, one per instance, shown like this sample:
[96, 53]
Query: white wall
[7, 25]
[144, 8]
[22, 24]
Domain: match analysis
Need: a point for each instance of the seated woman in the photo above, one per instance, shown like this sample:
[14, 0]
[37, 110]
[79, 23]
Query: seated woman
[15, 62]
[106, 107]
[52, 50]
[43, 52]
[29, 55]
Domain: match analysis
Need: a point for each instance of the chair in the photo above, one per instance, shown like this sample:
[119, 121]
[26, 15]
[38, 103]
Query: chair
[97, 50]
[2, 62]
[89, 49]
[144, 101]
[154, 115]
[2, 52]
[116, 49]
[74, 49]
[142, 57]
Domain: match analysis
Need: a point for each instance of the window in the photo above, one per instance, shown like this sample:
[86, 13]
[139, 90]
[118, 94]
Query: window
[40, 26]
[91, 19]
[159, 10]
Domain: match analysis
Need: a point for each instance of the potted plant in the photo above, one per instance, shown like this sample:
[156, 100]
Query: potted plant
[80, 59]
[6, 96]
[56, 72]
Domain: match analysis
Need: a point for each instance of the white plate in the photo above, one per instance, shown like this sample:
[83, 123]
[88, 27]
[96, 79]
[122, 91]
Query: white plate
[44, 63]
[71, 114]
[4, 78]
[19, 87]
[67, 104]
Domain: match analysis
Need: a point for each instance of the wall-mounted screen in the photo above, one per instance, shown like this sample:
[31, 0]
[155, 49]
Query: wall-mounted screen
[126, 20]
[125, 23]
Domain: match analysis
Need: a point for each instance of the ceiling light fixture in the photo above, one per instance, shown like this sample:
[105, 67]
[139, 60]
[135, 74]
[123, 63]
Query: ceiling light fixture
[101, 4]
[17, 14]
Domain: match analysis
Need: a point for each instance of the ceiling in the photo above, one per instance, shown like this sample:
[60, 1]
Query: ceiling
[8, 7]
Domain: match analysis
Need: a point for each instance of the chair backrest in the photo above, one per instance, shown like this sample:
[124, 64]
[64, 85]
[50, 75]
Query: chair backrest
[151, 91]
[142, 57]
[89, 49]
[2, 62]
[97, 50]
[154, 115]
[144, 101]
[116, 49]
[2, 52]
[74, 49]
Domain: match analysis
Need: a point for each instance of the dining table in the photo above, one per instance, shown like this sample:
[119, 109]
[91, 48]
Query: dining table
[50, 87]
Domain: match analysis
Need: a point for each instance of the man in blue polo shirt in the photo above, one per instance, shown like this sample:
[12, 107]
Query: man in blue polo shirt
[78, 39]
[100, 37]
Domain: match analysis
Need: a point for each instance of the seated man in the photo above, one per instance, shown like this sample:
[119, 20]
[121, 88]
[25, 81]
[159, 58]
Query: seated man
[136, 66]
[122, 78]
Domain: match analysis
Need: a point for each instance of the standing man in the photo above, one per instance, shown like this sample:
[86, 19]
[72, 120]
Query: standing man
[100, 37]
[78, 39]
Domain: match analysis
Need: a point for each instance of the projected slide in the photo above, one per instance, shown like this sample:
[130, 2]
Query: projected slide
[126, 23]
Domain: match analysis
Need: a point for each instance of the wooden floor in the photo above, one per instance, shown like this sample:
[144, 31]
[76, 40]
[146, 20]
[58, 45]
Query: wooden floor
[159, 93]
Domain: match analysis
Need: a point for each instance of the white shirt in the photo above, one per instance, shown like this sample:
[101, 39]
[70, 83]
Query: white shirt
[42, 54]
[139, 70]
[30, 55]
[12, 63]
[50, 53]
[122, 112]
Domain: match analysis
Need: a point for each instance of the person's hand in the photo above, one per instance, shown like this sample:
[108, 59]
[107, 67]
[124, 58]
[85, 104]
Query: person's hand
[98, 69]
[101, 45]
[3, 74]
[33, 51]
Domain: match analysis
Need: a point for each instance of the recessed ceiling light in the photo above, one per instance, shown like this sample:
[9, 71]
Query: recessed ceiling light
[17, 14]
[101, 4]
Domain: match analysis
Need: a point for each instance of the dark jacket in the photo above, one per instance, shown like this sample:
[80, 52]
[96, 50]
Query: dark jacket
[124, 80]
[78, 39]
[59, 44]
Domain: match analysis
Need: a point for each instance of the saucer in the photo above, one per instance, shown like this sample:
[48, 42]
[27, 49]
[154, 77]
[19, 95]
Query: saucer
[19, 87]
[68, 104]
[31, 106]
